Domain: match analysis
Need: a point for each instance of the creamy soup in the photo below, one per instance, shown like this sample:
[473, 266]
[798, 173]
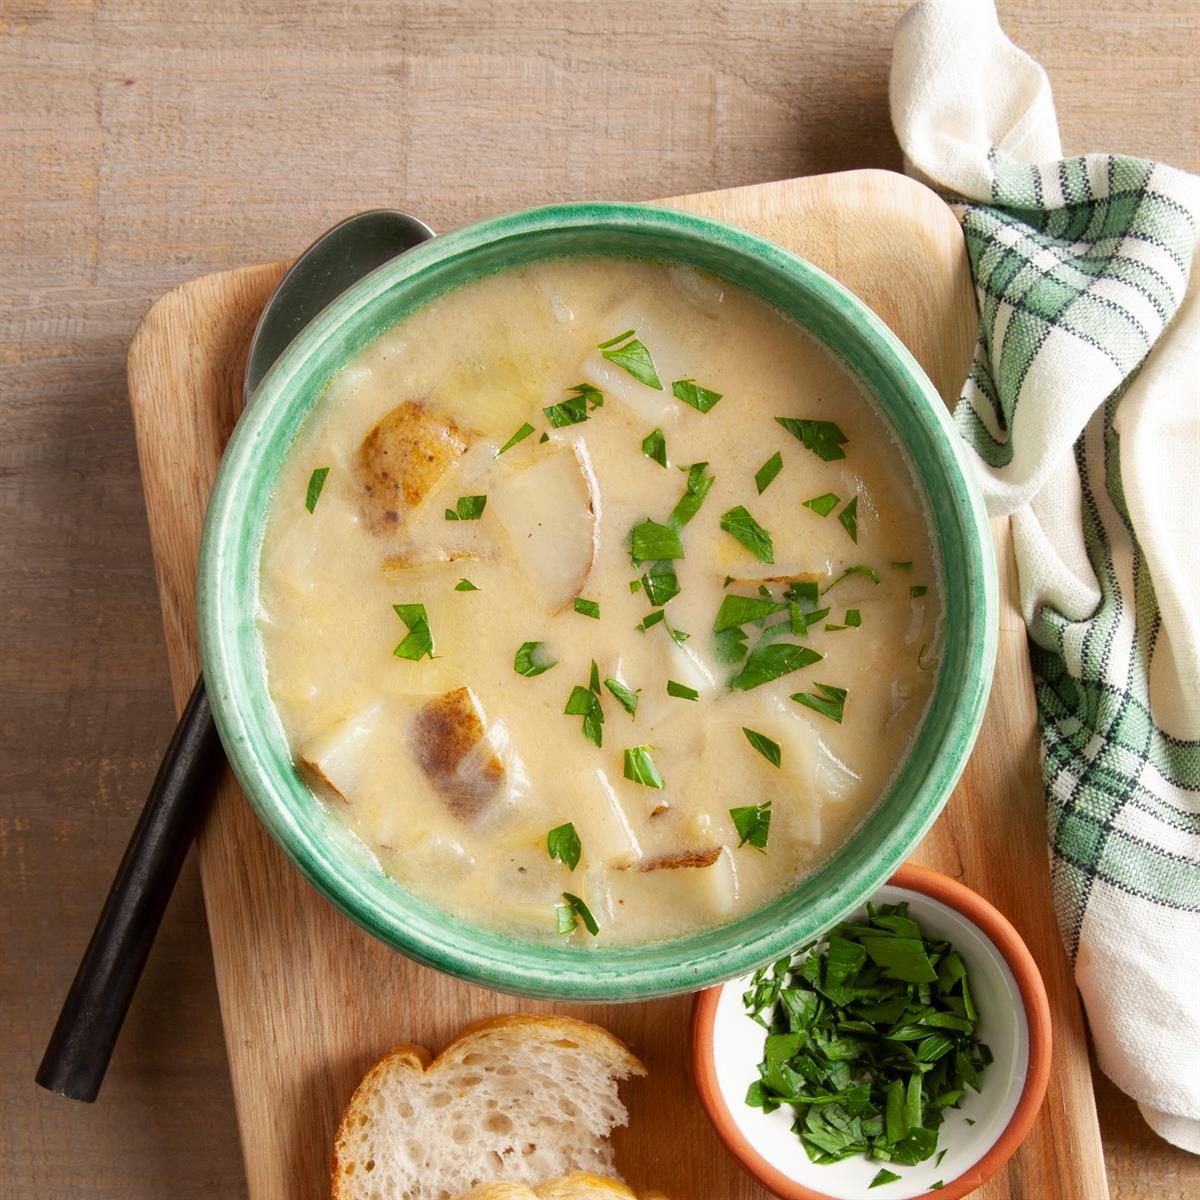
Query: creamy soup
[599, 601]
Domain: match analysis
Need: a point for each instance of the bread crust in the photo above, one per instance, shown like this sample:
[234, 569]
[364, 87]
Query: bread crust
[417, 1059]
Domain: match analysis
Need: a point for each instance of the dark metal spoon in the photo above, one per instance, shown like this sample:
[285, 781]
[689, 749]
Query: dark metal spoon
[82, 1043]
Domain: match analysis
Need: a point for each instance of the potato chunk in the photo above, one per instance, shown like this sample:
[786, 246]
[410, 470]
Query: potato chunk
[452, 747]
[401, 460]
[550, 513]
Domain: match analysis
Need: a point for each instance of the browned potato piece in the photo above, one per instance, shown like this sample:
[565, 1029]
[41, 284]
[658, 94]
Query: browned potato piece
[686, 858]
[401, 459]
[449, 741]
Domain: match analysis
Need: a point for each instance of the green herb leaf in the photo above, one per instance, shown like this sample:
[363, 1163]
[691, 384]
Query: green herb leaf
[594, 678]
[562, 842]
[765, 474]
[698, 485]
[660, 583]
[575, 908]
[634, 358]
[651, 619]
[823, 438]
[857, 569]
[639, 767]
[882, 1176]
[654, 446]
[771, 661]
[823, 505]
[901, 566]
[738, 523]
[853, 618]
[418, 643]
[681, 691]
[915, 593]
[584, 702]
[690, 392]
[828, 701]
[531, 660]
[571, 411]
[849, 519]
[679, 636]
[587, 608]
[468, 508]
[627, 699]
[465, 585]
[764, 745]
[612, 341]
[753, 824]
[649, 540]
[521, 434]
[737, 610]
[316, 482]
[543, 439]
[729, 646]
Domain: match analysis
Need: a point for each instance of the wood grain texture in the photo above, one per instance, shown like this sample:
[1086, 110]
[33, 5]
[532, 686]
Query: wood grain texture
[308, 1000]
[142, 144]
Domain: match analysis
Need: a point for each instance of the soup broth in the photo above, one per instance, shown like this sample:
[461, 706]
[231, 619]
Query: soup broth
[596, 597]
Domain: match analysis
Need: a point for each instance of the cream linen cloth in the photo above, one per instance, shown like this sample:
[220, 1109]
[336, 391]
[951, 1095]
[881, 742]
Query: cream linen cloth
[1083, 406]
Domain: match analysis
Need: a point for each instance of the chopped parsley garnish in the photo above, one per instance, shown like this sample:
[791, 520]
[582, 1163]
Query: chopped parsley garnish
[544, 438]
[698, 485]
[468, 508]
[870, 1039]
[738, 523]
[660, 583]
[690, 392]
[849, 519]
[649, 540]
[626, 698]
[531, 660]
[635, 586]
[465, 585]
[823, 505]
[651, 619]
[883, 1175]
[563, 843]
[902, 566]
[853, 618]
[753, 824]
[585, 703]
[823, 438]
[594, 678]
[764, 745]
[639, 767]
[418, 643]
[654, 446]
[679, 636]
[771, 661]
[316, 481]
[574, 911]
[765, 474]
[521, 434]
[737, 610]
[857, 569]
[632, 357]
[587, 608]
[575, 408]
[827, 700]
[915, 593]
[681, 691]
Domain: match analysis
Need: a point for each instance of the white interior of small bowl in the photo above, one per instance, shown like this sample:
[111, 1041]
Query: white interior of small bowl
[738, 1048]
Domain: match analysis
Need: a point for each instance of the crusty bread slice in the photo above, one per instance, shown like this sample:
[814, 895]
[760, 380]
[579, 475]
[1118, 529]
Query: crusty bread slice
[517, 1099]
[579, 1185]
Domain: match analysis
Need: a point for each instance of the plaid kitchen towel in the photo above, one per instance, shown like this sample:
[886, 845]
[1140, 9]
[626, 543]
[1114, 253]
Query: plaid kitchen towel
[1083, 407]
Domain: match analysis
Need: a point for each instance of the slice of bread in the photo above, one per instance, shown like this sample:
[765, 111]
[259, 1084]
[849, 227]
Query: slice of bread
[517, 1099]
[579, 1185]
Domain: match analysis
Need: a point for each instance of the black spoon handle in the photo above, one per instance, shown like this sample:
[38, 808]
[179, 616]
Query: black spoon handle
[94, 1010]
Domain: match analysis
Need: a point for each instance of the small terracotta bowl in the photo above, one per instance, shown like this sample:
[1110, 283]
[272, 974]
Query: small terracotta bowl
[1014, 1022]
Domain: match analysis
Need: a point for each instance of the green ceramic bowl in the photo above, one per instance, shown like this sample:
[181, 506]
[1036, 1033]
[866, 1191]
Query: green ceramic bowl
[321, 846]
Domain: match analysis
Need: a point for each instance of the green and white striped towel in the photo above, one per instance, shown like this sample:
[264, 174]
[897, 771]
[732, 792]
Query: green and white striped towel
[1083, 405]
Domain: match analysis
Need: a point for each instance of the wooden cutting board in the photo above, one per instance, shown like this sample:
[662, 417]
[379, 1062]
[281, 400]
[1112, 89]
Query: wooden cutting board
[309, 1000]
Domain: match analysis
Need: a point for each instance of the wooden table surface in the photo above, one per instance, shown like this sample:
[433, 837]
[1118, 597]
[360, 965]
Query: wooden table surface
[144, 144]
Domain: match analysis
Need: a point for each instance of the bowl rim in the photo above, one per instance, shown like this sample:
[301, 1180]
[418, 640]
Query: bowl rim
[1030, 985]
[419, 929]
